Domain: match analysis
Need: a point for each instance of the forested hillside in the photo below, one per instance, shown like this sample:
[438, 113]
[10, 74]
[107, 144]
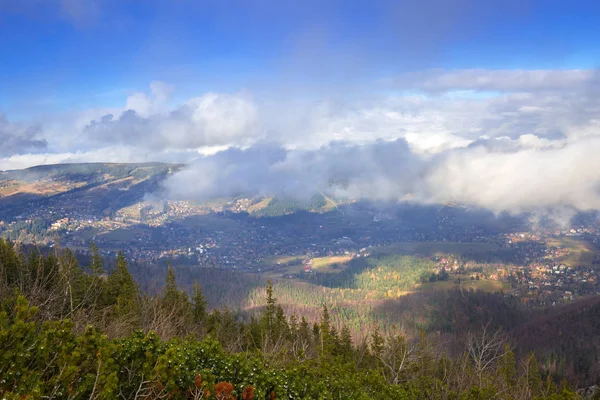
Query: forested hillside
[82, 332]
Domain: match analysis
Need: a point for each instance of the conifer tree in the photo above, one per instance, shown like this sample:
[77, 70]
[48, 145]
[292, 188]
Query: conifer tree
[293, 325]
[534, 379]
[176, 301]
[346, 342]
[327, 344]
[122, 292]
[199, 312]
[377, 342]
[97, 264]
[270, 309]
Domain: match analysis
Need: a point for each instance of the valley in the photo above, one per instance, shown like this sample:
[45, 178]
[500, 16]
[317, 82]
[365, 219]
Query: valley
[423, 267]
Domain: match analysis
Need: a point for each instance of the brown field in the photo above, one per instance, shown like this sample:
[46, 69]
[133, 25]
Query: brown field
[114, 182]
[260, 205]
[36, 188]
[131, 211]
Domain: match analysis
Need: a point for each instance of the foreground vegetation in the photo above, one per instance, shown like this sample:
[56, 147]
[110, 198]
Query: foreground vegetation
[79, 332]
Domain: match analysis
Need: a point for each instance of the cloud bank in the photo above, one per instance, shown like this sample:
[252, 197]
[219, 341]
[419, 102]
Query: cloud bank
[506, 140]
[19, 138]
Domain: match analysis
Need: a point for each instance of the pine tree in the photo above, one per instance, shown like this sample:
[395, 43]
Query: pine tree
[293, 325]
[534, 379]
[200, 304]
[268, 322]
[304, 329]
[316, 332]
[175, 300]
[281, 326]
[325, 321]
[507, 369]
[171, 295]
[270, 309]
[346, 342]
[377, 342]
[327, 343]
[96, 267]
[122, 292]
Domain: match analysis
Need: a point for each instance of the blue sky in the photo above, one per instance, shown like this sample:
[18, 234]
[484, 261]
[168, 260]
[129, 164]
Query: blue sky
[67, 54]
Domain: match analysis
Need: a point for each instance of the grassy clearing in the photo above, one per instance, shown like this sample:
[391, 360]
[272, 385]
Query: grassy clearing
[330, 264]
[36, 188]
[87, 234]
[285, 265]
[329, 204]
[260, 205]
[131, 211]
[579, 252]
[273, 260]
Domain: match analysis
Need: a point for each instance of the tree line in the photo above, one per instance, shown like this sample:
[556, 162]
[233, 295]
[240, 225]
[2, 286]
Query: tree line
[80, 332]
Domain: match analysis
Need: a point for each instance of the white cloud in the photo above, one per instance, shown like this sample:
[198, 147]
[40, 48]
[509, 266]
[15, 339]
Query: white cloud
[502, 80]
[18, 138]
[145, 104]
[213, 119]
[522, 179]
[531, 142]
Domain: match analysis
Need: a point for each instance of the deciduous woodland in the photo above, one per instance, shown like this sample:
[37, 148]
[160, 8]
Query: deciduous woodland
[82, 332]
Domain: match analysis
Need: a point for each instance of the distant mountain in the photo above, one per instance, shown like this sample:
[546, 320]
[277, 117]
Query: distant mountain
[101, 187]
[90, 172]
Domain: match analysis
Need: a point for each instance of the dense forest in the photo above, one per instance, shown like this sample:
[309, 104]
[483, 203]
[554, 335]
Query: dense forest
[77, 332]
[564, 349]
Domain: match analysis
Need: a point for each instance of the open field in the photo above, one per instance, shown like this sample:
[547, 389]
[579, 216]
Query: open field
[329, 204]
[330, 264]
[579, 252]
[123, 234]
[132, 211]
[206, 221]
[260, 205]
[291, 265]
[37, 188]
[274, 260]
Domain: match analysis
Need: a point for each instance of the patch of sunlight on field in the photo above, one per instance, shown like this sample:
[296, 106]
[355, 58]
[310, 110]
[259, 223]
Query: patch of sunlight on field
[330, 264]
[273, 260]
[260, 205]
[579, 252]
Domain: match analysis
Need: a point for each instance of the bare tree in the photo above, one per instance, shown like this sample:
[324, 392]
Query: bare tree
[485, 348]
[397, 354]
